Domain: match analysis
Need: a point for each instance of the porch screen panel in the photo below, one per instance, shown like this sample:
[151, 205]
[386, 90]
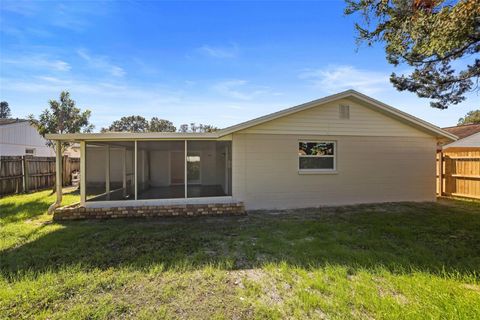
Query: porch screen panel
[109, 171]
[122, 179]
[209, 169]
[161, 169]
[95, 167]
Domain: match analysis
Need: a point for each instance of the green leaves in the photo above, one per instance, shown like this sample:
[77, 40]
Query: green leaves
[473, 117]
[428, 35]
[4, 110]
[140, 124]
[62, 116]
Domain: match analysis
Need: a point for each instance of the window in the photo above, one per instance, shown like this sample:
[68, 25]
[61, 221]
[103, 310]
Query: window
[30, 151]
[316, 156]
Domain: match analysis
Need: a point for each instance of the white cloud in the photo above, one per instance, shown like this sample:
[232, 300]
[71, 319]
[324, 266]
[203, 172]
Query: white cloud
[110, 100]
[338, 78]
[101, 63]
[38, 62]
[230, 88]
[221, 52]
[241, 90]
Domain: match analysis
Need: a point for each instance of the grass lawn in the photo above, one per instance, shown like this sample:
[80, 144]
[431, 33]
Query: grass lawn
[389, 261]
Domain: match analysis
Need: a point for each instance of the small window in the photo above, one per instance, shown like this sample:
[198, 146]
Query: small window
[344, 111]
[30, 151]
[316, 155]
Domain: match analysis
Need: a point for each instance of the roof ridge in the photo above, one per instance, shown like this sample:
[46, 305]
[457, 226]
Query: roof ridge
[463, 125]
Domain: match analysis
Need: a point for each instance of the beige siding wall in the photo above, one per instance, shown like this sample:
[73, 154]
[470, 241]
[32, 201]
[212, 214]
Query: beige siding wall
[325, 120]
[370, 169]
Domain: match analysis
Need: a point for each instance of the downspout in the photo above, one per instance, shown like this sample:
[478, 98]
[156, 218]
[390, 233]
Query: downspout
[58, 177]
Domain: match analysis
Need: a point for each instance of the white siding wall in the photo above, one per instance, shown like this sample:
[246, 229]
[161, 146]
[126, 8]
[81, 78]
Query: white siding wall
[370, 169]
[16, 137]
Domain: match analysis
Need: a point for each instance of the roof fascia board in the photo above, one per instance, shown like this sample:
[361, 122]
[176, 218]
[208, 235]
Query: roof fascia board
[129, 136]
[403, 115]
[281, 113]
[389, 110]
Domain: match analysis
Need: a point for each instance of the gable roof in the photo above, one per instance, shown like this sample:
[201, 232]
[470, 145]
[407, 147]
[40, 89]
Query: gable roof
[375, 104]
[472, 141]
[463, 131]
[11, 121]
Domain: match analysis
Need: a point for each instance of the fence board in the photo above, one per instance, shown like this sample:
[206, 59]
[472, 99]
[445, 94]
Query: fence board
[460, 175]
[26, 173]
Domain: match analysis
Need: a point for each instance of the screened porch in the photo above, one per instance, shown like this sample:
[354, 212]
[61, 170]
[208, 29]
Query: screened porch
[157, 169]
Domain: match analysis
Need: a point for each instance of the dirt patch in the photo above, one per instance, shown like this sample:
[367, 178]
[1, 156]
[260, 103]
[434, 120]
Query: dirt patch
[473, 287]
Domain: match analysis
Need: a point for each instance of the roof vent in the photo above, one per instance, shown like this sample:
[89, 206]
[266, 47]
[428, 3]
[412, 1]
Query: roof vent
[344, 111]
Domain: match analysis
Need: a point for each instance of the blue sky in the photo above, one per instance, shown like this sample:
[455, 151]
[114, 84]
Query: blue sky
[217, 63]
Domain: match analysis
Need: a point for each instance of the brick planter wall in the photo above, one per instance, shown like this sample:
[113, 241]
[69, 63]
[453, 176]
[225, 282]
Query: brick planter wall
[76, 212]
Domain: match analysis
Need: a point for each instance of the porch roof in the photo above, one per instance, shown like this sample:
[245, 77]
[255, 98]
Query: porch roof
[109, 136]
[375, 104]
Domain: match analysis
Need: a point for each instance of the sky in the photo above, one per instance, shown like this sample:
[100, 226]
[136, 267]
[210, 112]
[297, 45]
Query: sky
[216, 63]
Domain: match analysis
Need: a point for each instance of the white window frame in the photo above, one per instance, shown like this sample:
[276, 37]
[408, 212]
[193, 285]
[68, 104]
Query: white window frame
[318, 171]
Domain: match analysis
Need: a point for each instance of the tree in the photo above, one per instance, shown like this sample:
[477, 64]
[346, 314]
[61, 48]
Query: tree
[4, 110]
[183, 128]
[62, 117]
[473, 117]
[200, 128]
[140, 124]
[430, 36]
[161, 125]
[128, 124]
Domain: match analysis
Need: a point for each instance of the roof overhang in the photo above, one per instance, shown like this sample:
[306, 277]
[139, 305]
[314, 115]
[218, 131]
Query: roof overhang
[123, 136]
[222, 134]
[472, 141]
[377, 105]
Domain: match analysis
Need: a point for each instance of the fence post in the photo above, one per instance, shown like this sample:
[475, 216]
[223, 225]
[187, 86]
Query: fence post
[26, 177]
[24, 183]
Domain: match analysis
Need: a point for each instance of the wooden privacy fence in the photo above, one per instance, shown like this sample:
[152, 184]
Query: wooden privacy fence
[458, 172]
[26, 173]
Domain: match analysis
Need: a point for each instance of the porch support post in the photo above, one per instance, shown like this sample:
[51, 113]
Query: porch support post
[107, 171]
[440, 173]
[226, 171]
[185, 181]
[83, 173]
[124, 172]
[58, 176]
[135, 170]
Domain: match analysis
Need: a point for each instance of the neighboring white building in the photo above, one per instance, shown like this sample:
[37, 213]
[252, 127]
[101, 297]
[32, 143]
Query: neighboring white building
[18, 138]
[469, 136]
[472, 141]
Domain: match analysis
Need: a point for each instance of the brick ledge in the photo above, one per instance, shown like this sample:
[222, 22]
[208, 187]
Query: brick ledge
[77, 212]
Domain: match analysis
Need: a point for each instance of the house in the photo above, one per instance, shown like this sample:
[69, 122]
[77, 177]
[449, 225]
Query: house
[459, 163]
[346, 148]
[463, 131]
[470, 142]
[468, 137]
[18, 138]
